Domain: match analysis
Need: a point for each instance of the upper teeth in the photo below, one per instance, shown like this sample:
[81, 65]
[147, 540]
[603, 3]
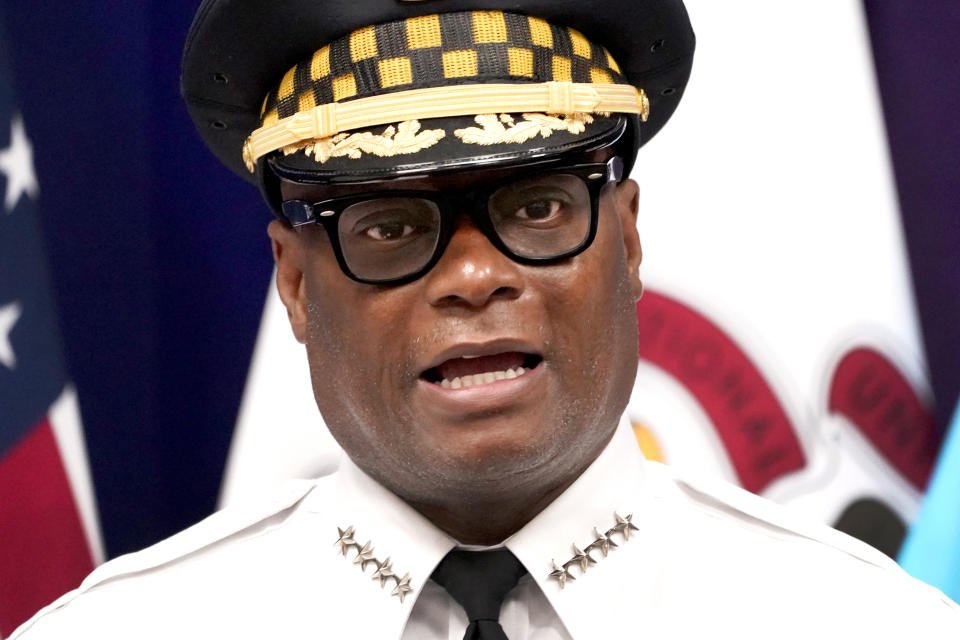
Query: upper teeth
[481, 378]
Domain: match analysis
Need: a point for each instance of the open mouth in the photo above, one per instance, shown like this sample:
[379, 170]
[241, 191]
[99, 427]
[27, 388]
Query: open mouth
[471, 371]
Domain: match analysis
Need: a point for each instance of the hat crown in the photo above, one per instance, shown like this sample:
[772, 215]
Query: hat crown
[238, 50]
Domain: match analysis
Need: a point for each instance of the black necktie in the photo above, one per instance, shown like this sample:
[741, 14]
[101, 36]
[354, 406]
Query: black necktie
[479, 581]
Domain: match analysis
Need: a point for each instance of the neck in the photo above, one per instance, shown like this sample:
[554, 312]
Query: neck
[489, 519]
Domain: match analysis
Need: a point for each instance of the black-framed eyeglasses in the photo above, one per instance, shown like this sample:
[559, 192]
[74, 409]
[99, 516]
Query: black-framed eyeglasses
[541, 216]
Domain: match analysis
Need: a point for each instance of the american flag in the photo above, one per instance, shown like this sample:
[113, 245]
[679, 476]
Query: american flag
[48, 526]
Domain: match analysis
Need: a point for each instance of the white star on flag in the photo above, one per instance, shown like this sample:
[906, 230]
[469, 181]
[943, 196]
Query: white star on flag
[9, 314]
[16, 161]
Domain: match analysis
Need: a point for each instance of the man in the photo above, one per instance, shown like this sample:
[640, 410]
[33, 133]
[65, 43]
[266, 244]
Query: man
[456, 247]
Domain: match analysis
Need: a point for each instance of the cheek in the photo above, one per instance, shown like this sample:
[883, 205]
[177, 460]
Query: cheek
[356, 352]
[343, 344]
[597, 331]
[338, 360]
[343, 318]
[341, 376]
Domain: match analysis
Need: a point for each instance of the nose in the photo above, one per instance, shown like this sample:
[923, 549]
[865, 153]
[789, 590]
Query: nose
[472, 272]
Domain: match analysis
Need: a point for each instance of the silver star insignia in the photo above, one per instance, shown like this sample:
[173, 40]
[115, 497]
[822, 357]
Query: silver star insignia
[403, 587]
[384, 572]
[346, 539]
[581, 558]
[624, 526]
[364, 555]
[602, 542]
[561, 575]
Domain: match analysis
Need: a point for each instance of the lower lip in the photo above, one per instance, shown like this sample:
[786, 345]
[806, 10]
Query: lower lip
[483, 397]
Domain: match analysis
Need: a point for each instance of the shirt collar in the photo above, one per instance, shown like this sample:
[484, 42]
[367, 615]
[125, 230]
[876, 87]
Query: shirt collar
[414, 546]
[567, 536]
[397, 534]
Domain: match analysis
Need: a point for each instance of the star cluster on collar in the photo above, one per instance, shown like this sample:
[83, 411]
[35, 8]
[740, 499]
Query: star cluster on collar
[601, 543]
[364, 556]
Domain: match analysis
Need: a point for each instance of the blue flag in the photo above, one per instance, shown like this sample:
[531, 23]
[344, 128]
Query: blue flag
[44, 545]
[932, 549]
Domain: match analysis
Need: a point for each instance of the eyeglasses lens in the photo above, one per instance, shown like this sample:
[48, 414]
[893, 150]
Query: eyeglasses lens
[388, 238]
[543, 216]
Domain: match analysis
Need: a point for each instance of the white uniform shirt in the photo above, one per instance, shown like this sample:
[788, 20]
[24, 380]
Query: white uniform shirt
[705, 560]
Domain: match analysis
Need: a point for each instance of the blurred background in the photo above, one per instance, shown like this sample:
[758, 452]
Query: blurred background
[800, 334]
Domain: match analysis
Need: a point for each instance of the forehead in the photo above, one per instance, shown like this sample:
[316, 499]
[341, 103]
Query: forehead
[458, 179]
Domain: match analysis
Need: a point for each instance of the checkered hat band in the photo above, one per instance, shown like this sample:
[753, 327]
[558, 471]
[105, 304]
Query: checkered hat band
[440, 50]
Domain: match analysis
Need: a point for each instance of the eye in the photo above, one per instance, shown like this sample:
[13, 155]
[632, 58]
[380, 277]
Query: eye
[542, 202]
[389, 222]
[388, 231]
[539, 210]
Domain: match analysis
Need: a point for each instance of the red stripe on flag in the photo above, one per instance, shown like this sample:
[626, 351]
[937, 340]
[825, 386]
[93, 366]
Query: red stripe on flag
[43, 548]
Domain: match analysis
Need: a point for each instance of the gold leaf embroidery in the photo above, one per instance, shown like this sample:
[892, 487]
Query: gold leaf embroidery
[500, 129]
[403, 139]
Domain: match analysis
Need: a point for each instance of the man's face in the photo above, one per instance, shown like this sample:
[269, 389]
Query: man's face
[379, 355]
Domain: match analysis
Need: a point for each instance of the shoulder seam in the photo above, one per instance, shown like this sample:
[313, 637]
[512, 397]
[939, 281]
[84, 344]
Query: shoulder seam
[740, 500]
[224, 524]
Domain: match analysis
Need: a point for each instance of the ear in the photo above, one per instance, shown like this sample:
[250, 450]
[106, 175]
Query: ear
[627, 198]
[288, 254]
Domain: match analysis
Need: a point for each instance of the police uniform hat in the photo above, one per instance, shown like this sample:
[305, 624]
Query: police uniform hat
[332, 90]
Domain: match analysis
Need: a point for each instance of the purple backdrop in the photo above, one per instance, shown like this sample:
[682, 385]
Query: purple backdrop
[917, 52]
